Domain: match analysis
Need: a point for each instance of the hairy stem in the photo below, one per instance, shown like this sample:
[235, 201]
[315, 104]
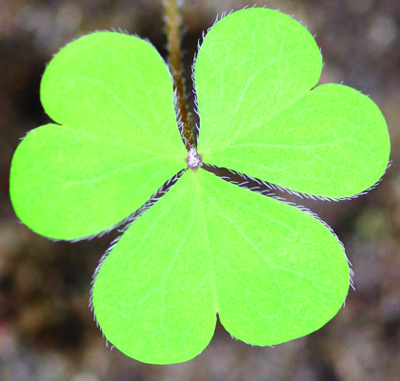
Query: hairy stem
[172, 22]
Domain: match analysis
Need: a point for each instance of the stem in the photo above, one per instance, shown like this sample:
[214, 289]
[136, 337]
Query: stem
[172, 22]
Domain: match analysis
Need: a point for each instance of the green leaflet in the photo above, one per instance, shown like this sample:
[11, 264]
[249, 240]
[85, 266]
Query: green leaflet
[254, 85]
[117, 144]
[251, 65]
[272, 272]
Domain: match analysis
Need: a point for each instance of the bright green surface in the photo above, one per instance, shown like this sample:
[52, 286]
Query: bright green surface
[251, 65]
[258, 117]
[117, 144]
[271, 271]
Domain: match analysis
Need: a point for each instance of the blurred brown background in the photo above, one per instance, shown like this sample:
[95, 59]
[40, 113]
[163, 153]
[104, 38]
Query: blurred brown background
[46, 328]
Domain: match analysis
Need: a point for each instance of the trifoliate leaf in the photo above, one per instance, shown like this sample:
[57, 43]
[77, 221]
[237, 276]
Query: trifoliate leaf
[269, 270]
[117, 143]
[258, 116]
[272, 272]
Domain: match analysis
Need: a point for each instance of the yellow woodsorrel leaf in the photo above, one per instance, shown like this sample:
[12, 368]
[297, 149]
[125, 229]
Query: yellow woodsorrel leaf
[253, 76]
[116, 144]
[271, 271]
